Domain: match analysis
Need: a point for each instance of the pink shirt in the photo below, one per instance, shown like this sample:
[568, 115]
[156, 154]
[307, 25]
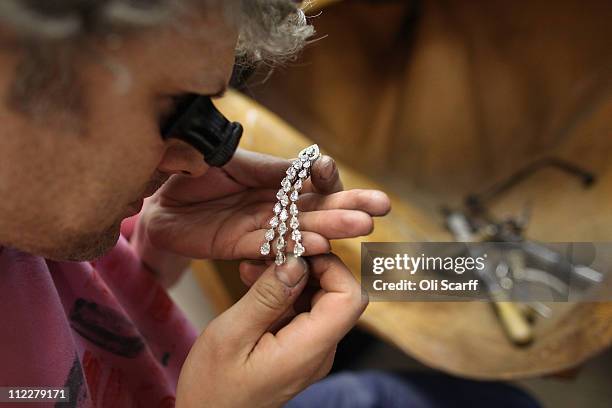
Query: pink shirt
[107, 330]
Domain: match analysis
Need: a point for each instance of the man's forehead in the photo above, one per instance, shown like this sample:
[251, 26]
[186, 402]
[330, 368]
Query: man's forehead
[199, 53]
[204, 70]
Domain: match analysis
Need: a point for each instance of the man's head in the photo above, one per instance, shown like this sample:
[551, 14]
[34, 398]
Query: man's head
[84, 86]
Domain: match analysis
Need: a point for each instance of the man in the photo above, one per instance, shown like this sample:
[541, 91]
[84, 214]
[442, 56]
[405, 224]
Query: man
[85, 85]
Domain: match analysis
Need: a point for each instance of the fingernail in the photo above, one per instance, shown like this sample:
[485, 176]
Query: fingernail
[292, 271]
[329, 166]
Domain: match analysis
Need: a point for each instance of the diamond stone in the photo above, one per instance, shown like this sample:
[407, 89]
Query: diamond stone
[274, 222]
[265, 248]
[298, 249]
[298, 185]
[286, 183]
[283, 215]
[297, 164]
[296, 235]
[306, 164]
[313, 152]
[310, 153]
[280, 243]
[282, 228]
[270, 234]
[303, 173]
[280, 194]
[293, 209]
[280, 258]
[294, 196]
[277, 208]
[291, 172]
[284, 200]
[294, 223]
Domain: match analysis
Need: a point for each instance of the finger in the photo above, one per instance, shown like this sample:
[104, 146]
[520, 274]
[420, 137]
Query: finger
[250, 271]
[265, 303]
[373, 202]
[325, 367]
[334, 313]
[337, 224]
[249, 245]
[257, 169]
[324, 177]
[331, 224]
[282, 321]
[303, 302]
[316, 297]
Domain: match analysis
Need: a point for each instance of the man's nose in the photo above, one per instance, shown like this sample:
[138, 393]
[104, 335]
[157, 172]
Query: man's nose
[181, 158]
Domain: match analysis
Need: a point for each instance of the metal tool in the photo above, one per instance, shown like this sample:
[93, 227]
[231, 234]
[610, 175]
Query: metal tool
[513, 321]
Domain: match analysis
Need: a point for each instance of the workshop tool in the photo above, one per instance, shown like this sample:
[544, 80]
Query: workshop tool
[513, 321]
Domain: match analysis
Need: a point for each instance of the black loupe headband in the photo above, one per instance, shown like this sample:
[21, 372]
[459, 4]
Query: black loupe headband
[197, 122]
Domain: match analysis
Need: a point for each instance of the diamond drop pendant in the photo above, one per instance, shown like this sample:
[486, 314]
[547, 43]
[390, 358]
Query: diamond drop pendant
[287, 196]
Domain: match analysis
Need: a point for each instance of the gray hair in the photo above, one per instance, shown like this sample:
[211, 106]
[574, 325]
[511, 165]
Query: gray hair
[50, 33]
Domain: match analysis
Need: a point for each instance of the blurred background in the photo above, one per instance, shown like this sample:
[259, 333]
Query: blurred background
[496, 112]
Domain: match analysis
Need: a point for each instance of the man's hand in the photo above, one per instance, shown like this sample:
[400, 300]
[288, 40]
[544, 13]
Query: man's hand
[224, 213]
[243, 359]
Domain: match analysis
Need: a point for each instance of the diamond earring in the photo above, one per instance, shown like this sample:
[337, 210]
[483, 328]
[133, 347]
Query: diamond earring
[286, 206]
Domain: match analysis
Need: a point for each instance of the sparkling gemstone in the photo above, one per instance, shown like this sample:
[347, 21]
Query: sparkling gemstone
[297, 164]
[291, 172]
[306, 164]
[280, 243]
[284, 200]
[298, 249]
[294, 196]
[280, 258]
[309, 153]
[298, 185]
[270, 234]
[296, 235]
[277, 208]
[294, 223]
[293, 209]
[282, 228]
[274, 222]
[283, 215]
[265, 248]
[286, 184]
[303, 173]
[280, 194]
[313, 152]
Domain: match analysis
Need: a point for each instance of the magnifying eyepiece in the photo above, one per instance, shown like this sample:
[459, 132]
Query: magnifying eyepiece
[197, 122]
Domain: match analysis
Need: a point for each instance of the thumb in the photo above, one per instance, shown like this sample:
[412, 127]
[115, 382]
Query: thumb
[266, 301]
[325, 177]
